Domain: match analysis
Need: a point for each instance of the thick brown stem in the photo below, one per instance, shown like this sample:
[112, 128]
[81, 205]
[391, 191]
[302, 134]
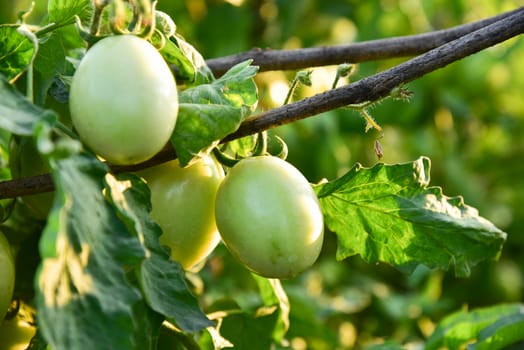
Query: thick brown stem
[373, 50]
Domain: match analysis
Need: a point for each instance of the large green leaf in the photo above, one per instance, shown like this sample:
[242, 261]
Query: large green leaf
[17, 114]
[161, 279]
[16, 51]
[210, 112]
[64, 11]
[388, 213]
[494, 327]
[84, 298]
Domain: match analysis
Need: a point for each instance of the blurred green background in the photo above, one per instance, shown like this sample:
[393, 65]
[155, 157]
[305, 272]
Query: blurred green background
[468, 118]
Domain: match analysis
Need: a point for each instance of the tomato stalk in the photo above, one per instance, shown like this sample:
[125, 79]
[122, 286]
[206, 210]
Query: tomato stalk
[302, 77]
[343, 70]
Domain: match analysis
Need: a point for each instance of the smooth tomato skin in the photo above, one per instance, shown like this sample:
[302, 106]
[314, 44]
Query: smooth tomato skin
[182, 202]
[124, 100]
[16, 334]
[7, 275]
[269, 217]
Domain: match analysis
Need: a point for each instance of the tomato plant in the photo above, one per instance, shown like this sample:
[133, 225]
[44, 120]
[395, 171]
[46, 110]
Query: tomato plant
[371, 252]
[182, 202]
[124, 100]
[269, 217]
[7, 280]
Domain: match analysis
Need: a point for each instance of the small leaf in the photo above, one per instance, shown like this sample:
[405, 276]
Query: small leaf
[202, 73]
[210, 112]
[16, 51]
[162, 280]
[64, 11]
[492, 326]
[185, 69]
[388, 213]
[50, 60]
[84, 297]
[17, 114]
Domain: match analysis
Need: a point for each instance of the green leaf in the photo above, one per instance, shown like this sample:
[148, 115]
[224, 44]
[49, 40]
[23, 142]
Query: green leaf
[243, 328]
[210, 112]
[493, 326]
[16, 51]
[505, 331]
[64, 11]
[17, 114]
[273, 294]
[161, 279]
[50, 60]
[84, 298]
[202, 73]
[388, 213]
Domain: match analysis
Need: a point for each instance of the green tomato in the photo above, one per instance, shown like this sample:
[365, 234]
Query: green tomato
[7, 275]
[124, 100]
[16, 334]
[269, 217]
[26, 162]
[182, 202]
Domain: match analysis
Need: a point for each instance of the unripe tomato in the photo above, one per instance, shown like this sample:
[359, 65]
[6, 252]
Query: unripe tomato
[7, 275]
[269, 217]
[182, 202]
[16, 334]
[123, 100]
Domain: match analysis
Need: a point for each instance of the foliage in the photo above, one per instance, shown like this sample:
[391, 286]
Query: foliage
[100, 275]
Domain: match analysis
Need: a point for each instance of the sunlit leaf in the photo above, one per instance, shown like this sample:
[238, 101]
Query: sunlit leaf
[507, 330]
[388, 213]
[16, 51]
[64, 11]
[162, 280]
[494, 327]
[210, 112]
[84, 298]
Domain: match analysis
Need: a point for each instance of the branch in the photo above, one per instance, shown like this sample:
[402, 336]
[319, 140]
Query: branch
[380, 85]
[371, 88]
[372, 50]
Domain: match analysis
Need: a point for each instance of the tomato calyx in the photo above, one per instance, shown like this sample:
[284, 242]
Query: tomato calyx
[126, 17]
[260, 148]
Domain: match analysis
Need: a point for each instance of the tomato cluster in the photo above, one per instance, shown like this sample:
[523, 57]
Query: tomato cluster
[264, 209]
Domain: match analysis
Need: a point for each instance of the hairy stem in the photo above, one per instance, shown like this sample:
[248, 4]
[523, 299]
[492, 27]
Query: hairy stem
[380, 85]
[402, 46]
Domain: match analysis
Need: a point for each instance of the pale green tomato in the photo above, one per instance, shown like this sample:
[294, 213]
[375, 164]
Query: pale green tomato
[269, 217]
[123, 100]
[182, 202]
[7, 275]
[26, 161]
[16, 334]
